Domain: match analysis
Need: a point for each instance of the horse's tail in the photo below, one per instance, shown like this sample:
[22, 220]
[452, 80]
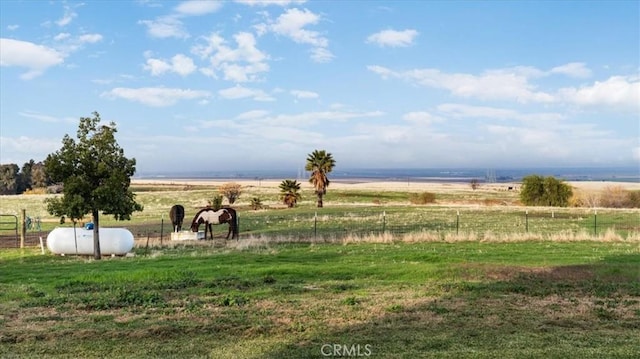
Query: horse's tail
[234, 224]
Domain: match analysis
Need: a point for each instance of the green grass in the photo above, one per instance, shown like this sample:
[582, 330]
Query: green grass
[432, 299]
[483, 213]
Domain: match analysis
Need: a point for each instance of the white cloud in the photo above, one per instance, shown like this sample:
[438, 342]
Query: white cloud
[198, 7]
[462, 110]
[46, 118]
[269, 2]
[68, 16]
[490, 85]
[90, 38]
[292, 24]
[157, 67]
[171, 25]
[62, 36]
[36, 148]
[321, 55]
[421, 118]
[573, 69]
[165, 27]
[635, 153]
[252, 114]
[301, 94]
[243, 73]
[13, 27]
[155, 96]
[310, 118]
[180, 64]
[244, 63]
[239, 92]
[393, 38]
[35, 58]
[617, 92]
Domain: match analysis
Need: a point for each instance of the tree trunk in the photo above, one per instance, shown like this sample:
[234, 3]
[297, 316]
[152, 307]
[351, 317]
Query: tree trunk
[319, 199]
[96, 235]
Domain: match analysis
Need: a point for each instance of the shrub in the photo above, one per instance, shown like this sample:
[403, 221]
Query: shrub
[422, 198]
[583, 198]
[633, 199]
[545, 191]
[613, 197]
[231, 191]
[216, 202]
[256, 203]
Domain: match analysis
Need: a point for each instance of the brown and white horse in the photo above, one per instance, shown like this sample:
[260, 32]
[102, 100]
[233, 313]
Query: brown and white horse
[210, 217]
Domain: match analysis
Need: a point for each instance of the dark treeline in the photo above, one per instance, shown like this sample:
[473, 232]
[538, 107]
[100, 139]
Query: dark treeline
[16, 180]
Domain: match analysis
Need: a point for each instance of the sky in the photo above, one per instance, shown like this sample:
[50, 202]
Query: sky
[257, 85]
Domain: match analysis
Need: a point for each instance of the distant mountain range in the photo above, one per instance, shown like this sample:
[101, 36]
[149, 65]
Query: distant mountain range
[619, 174]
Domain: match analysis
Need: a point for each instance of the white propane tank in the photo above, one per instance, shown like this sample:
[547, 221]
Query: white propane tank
[113, 241]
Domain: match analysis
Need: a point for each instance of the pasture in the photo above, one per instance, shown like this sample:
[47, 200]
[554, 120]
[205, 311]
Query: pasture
[488, 213]
[534, 299]
[473, 275]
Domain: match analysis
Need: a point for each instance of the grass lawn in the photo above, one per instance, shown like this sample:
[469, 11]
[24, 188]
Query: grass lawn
[533, 299]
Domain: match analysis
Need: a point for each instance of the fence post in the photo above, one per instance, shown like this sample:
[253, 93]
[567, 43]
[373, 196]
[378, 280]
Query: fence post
[384, 221]
[23, 227]
[526, 221]
[457, 222]
[315, 225]
[162, 229]
[595, 222]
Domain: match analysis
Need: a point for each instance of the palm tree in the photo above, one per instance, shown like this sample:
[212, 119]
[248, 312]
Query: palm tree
[289, 192]
[320, 163]
[256, 203]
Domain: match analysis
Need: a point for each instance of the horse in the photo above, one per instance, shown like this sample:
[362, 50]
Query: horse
[177, 216]
[209, 217]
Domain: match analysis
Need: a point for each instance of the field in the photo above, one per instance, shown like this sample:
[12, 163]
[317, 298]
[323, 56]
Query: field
[494, 290]
[468, 299]
[360, 208]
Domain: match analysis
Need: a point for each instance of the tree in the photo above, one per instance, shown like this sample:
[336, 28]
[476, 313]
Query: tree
[215, 203]
[26, 175]
[9, 178]
[256, 203]
[39, 178]
[96, 176]
[540, 191]
[231, 191]
[475, 184]
[290, 192]
[320, 163]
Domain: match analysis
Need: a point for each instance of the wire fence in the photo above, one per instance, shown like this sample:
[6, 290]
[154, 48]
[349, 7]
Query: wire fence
[366, 222]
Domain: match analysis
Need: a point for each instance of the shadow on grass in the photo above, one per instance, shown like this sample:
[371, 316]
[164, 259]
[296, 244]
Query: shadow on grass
[580, 311]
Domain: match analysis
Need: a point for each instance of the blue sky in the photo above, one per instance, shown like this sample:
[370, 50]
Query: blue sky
[253, 85]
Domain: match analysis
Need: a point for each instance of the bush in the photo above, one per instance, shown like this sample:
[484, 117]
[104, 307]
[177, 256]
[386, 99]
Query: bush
[545, 191]
[633, 199]
[216, 202]
[613, 197]
[422, 198]
[584, 198]
[231, 191]
[256, 203]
